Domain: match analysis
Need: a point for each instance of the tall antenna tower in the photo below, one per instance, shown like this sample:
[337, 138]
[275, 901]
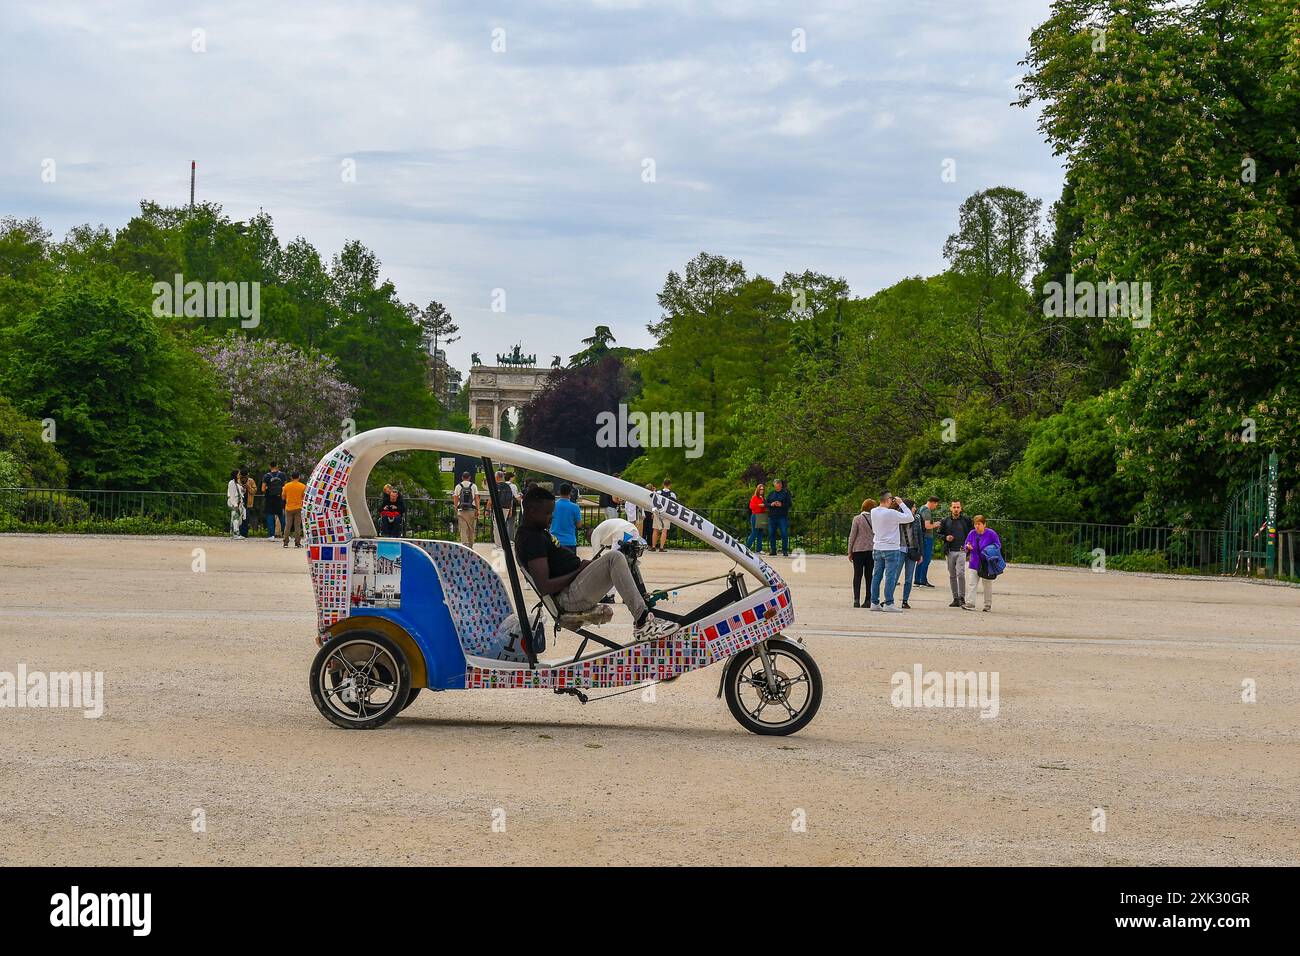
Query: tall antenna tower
[191, 185]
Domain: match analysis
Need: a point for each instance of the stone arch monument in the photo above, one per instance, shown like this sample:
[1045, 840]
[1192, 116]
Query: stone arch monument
[493, 389]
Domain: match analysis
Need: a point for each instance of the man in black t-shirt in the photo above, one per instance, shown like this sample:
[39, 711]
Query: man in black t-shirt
[273, 483]
[952, 532]
[578, 584]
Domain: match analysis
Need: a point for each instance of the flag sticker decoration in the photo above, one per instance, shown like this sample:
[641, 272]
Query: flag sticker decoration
[329, 529]
[689, 649]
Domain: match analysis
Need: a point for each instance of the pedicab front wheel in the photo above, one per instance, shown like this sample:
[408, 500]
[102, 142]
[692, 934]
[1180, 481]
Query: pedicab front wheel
[360, 680]
[778, 703]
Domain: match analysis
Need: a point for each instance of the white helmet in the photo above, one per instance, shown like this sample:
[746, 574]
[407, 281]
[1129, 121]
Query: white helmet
[612, 531]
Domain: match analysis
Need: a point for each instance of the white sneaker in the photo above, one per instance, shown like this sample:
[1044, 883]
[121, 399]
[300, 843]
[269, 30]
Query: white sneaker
[876, 607]
[893, 608]
[653, 627]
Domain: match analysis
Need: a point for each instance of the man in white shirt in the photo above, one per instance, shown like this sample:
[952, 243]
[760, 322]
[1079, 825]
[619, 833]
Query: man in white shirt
[465, 498]
[886, 557]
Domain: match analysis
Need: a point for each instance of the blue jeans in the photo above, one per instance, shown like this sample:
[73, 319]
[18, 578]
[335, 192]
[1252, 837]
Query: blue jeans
[886, 565]
[923, 568]
[780, 523]
[271, 517]
[755, 539]
[909, 569]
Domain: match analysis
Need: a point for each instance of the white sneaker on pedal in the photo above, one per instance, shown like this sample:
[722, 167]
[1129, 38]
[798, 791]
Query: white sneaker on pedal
[653, 627]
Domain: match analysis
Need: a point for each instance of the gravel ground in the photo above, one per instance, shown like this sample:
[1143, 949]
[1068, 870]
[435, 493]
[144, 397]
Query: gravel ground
[1116, 692]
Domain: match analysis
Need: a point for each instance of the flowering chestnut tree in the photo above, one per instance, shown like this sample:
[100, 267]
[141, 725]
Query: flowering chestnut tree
[287, 405]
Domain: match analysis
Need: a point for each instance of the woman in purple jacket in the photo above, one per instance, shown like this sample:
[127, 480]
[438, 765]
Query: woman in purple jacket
[980, 538]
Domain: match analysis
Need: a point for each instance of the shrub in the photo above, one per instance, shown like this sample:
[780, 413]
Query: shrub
[1150, 561]
[52, 507]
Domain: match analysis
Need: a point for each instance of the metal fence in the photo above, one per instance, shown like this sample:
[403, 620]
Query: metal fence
[1070, 543]
[1121, 547]
[59, 508]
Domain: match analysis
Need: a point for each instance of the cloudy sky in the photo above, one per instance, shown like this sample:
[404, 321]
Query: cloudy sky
[525, 169]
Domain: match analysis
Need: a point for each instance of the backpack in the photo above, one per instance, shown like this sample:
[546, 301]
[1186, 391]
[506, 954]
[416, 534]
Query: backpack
[505, 498]
[274, 485]
[465, 497]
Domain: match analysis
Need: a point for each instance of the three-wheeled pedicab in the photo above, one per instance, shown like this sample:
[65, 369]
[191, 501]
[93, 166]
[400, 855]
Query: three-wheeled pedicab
[397, 615]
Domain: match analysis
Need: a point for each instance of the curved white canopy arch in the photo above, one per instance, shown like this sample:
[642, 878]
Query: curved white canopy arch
[369, 447]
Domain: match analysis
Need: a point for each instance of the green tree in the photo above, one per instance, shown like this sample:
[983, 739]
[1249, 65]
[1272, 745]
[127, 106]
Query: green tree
[597, 346]
[1179, 133]
[133, 406]
[34, 461]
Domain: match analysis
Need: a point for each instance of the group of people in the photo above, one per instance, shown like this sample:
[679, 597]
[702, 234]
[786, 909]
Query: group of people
[769, 513]
[651, 522]
[282, 496]
[892, 538]
[468, 500]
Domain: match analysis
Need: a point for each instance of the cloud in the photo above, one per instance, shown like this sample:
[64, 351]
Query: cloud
[523, 169]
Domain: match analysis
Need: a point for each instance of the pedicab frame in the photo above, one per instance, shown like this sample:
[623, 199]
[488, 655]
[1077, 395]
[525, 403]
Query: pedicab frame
[456, 602]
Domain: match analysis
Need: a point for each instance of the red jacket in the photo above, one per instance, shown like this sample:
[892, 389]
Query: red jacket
[756, 505]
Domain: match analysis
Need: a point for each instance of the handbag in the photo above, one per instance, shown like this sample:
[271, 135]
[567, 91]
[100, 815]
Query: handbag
[913, 548]
[760, 521]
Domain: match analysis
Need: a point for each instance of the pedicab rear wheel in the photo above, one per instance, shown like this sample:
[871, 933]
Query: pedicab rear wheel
[360, 680]
[758, 707]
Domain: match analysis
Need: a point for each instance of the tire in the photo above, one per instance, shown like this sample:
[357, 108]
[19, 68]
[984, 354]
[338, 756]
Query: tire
[377, 663]
[745, 686]
[410, 698]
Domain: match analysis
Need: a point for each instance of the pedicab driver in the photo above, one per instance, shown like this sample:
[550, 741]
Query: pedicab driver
[578, 584]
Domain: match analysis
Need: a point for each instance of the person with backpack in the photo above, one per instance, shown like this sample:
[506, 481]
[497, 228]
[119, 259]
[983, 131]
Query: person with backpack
[984, 551]
[273, 500]
[465, 497]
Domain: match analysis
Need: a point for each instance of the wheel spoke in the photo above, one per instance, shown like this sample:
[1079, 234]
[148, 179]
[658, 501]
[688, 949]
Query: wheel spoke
[347, 664]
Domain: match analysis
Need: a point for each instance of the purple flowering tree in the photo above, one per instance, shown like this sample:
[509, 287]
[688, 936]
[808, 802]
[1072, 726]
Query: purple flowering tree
[286, 405]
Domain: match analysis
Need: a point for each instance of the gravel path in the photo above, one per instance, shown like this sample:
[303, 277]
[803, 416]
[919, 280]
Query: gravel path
[1115, 692]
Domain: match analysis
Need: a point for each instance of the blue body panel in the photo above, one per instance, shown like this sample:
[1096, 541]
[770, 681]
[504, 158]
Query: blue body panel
[424, 615]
